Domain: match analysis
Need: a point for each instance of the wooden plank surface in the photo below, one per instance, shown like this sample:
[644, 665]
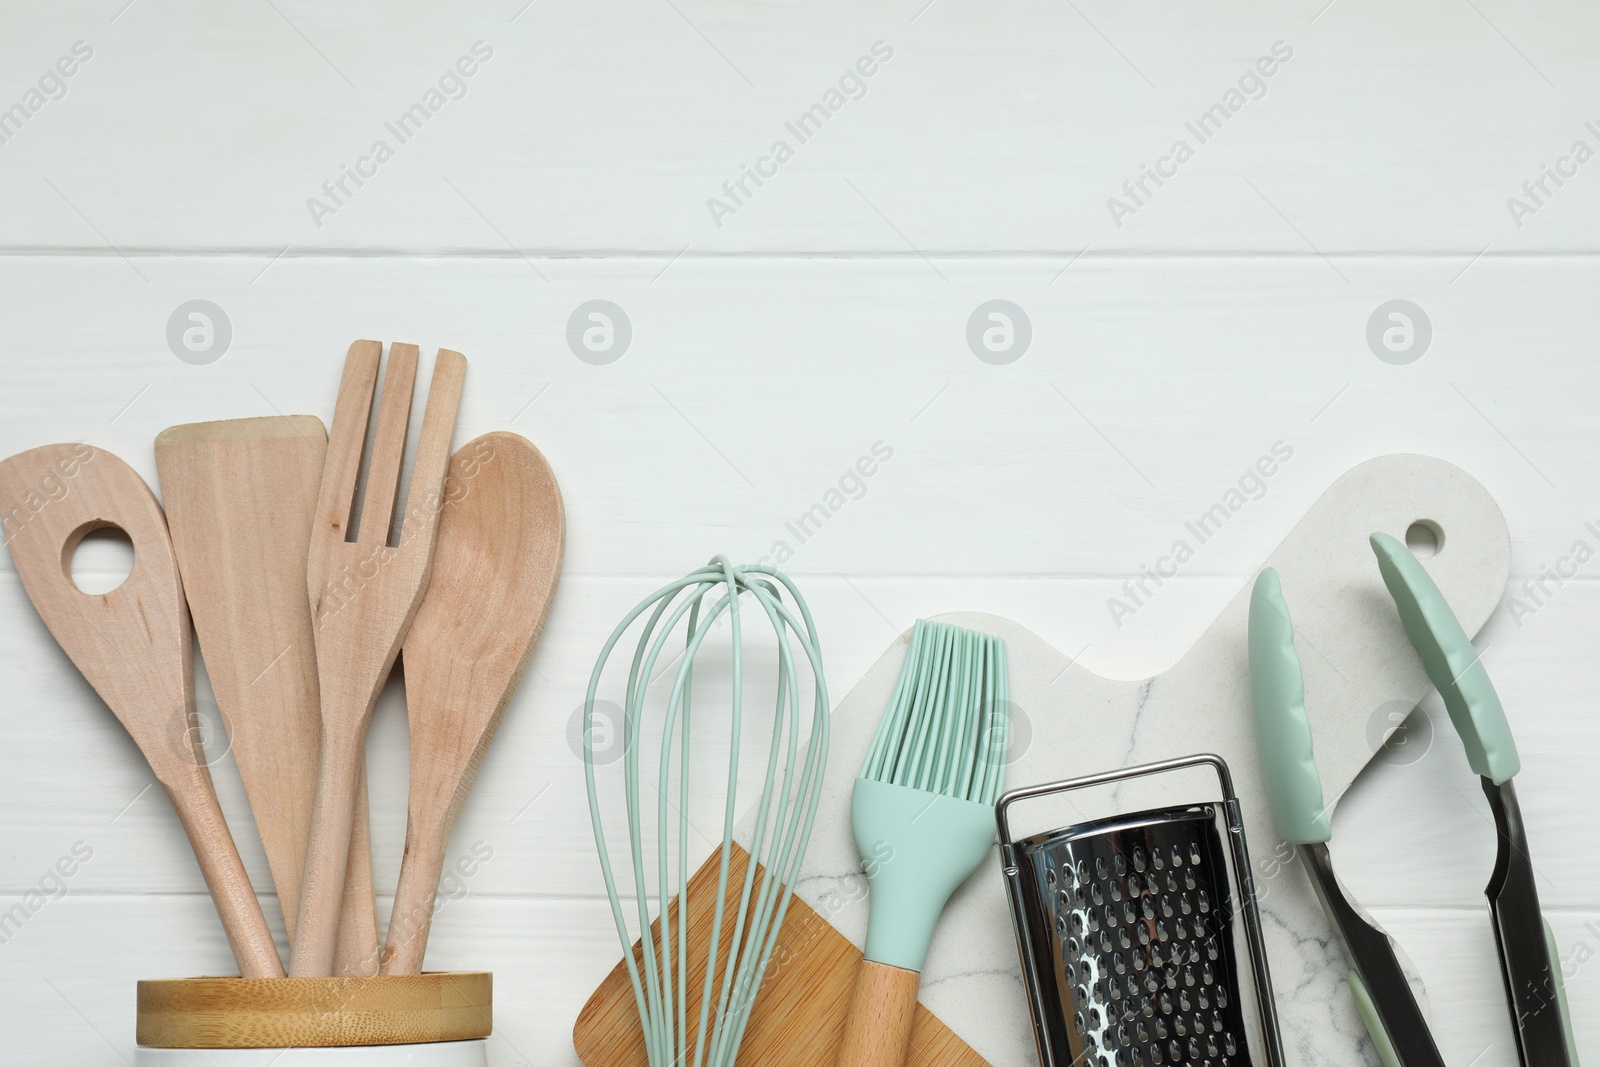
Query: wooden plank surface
[607, 127]
[1149, 388]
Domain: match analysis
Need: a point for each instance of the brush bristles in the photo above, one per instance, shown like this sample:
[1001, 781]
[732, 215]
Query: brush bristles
[948, 725]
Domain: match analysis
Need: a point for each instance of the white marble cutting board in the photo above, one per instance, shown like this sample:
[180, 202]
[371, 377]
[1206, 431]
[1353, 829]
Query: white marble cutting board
[1358, 664]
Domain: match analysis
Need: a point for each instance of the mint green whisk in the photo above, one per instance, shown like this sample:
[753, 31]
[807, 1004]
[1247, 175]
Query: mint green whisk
[785, 812]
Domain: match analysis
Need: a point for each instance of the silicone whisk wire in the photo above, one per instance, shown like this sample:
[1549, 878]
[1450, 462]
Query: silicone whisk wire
[785, 814]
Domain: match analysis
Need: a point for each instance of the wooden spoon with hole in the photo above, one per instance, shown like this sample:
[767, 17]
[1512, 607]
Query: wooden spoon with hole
[495, 569]
[132, 644]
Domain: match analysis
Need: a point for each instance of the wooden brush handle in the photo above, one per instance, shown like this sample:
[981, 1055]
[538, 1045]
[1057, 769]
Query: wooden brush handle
[878, 1030]
[316, 934]
[195, 801]
[412, 916]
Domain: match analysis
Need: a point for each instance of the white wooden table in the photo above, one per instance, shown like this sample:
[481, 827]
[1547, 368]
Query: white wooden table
[1336, 157]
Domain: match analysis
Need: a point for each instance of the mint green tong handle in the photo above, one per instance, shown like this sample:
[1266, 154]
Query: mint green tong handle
[1561, 993]
[1451, 662]
[1380, 1038]
[1283, 733]
[1369, 1017]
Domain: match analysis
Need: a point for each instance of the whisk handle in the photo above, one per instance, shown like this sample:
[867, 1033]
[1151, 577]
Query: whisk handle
[878, 1030]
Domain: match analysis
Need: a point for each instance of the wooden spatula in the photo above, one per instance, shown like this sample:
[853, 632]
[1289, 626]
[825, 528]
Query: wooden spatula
[495, 569]
[132, 644]
[364, 591]
[239, 497]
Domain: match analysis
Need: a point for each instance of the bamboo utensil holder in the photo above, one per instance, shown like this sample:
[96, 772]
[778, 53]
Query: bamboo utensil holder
[437, 1019]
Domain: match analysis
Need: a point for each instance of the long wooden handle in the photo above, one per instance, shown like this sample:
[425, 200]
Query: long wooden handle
[412, 916]
[878, 1030]
[358, 951]
[316, 934]
[195, 801]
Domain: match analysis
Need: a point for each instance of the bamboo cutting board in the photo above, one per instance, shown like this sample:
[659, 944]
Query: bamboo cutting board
[1359, 668]
[811, 975]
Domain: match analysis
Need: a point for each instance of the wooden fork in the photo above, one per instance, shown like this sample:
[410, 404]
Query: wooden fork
[364, 593]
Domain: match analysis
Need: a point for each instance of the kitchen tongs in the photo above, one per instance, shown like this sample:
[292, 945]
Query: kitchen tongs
[1529, 960]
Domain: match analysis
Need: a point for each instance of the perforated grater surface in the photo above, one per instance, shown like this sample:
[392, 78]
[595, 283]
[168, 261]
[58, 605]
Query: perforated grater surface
[1127, 930]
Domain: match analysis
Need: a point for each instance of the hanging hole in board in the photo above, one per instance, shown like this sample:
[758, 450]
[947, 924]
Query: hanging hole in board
[1424, 538]
[98, 558]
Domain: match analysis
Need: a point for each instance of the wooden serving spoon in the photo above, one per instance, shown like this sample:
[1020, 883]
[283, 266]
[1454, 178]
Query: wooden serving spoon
[132, 644]
[495, 569]
[240, 495]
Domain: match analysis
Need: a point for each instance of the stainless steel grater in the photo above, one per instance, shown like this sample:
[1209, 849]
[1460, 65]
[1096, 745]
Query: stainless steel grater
[1138, 932]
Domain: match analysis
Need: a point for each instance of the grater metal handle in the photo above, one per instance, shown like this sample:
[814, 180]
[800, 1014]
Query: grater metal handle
[1034, 792]
[1025, 946]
